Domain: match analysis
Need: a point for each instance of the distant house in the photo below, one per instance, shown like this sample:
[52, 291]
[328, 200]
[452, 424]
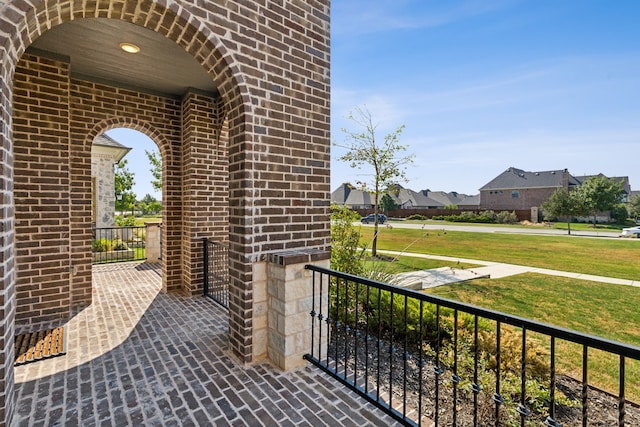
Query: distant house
[105, 152]
[516, 189]
[461, 201]
[349, 196]
[405, 198]
[624, 180]
[409, 199]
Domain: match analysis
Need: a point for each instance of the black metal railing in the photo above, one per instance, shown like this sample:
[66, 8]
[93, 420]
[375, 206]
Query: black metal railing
[431, 361]
[216, 271]
[118, 244]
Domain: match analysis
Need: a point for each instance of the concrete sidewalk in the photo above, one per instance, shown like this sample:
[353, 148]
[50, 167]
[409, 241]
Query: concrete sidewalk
[497, 270]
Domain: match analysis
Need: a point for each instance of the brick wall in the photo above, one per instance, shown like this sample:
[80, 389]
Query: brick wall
[270, 63]
[205, 187]
[503, 199]
[42, 190]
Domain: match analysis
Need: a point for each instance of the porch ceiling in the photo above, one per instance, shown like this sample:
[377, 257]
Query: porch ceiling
[93, 46]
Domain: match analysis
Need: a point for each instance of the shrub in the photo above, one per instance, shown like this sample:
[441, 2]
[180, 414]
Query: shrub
[101, 245]
[536, 361]
[128, 221]
[417, 217]
[346, 254]
[505, 217]
[119, 245]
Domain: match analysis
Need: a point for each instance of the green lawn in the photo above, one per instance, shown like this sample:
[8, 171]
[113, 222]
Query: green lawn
[599, 256]
[140, 221]
[407, 263]
[605, 310]
[609, 311]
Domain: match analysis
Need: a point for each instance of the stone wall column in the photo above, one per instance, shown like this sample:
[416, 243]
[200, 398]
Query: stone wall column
[152, 241]
[290, 299]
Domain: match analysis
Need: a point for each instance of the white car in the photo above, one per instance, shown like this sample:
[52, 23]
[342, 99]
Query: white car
[631, 232]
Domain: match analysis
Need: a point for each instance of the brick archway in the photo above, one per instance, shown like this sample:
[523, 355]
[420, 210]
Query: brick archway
[275, 98]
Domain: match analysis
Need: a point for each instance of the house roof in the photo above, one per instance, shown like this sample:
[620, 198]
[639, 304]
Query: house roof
[359, 198]
[118, 150]
[468, 201]
[425, 199]
[347, 195]
[624, 180]
[518, 178]
[417, 199]
[106, 141]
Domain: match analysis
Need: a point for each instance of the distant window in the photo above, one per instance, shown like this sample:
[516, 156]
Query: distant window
[515, 194]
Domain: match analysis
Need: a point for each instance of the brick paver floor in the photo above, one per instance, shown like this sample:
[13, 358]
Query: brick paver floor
[137, 356]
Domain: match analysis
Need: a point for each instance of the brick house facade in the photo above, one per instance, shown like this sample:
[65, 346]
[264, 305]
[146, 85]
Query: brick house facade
[516, 189]
[247, 165]
[105, 154]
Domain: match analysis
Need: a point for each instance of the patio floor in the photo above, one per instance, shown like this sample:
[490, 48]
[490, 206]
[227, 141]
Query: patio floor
[137, 356]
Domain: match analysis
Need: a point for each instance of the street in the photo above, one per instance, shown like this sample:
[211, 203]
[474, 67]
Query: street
[500, 229]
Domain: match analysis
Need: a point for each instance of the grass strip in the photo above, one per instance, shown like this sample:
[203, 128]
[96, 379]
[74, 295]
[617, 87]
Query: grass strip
[598, 256]
[608, 311]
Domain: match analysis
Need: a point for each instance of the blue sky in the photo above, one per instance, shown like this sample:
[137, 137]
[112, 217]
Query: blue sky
[483, 85]
[137, 161]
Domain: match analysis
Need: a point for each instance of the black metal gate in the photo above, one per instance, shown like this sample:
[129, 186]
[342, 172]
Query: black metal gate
[216, 271]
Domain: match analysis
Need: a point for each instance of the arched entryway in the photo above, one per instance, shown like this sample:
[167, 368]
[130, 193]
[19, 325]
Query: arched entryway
[269, 109]
[52, 168]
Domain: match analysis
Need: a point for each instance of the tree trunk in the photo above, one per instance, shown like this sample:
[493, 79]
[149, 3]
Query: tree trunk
[374, 244]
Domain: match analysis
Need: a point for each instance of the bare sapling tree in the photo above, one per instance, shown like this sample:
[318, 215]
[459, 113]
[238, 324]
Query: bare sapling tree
[385, 161]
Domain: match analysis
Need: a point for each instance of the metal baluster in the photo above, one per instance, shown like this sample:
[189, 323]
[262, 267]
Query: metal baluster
[551, 419]
[205, 256]
[420, 364]
[320, 317]
[313, 310]
[356, 334]
[366, 342]
[455, 378]
[378, 345]
[405, 358]
[475, 387]
[621, 409]
[336, 326]
[437, 369]
[585, 384]
[522, 407]
[497, 397]
[346, 328]
[391, 350]
[332, 284]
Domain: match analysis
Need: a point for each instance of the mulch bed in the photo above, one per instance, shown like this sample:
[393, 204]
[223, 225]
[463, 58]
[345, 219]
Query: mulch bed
[603, 407]
[40, 345]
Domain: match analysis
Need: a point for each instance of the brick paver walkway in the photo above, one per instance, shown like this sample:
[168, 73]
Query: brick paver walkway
[137, 356]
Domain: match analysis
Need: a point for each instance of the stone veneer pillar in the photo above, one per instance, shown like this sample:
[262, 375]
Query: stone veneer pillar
[289, 298]
[152, 241]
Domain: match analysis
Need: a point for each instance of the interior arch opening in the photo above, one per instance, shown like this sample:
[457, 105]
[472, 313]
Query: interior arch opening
[160, 91]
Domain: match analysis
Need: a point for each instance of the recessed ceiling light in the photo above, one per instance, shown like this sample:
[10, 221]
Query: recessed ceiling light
[129, 47]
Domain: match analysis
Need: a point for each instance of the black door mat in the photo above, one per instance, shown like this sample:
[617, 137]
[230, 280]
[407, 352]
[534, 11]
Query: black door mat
[40, 345]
